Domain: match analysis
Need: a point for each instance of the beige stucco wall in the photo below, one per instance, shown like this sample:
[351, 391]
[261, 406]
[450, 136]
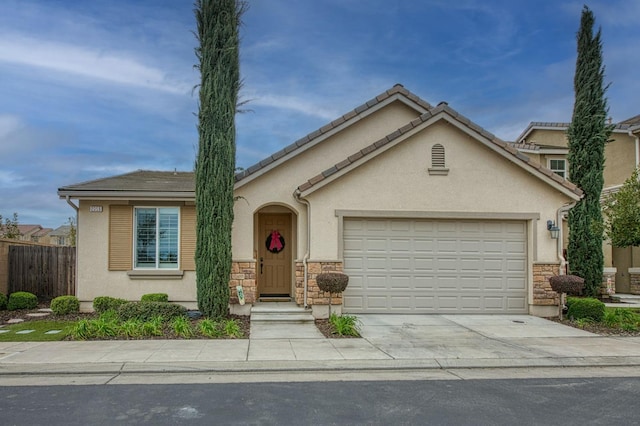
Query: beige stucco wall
[620, 157]
[620, 153]
[548, 137]
[276, 187]
[478, 181]
[93, 275]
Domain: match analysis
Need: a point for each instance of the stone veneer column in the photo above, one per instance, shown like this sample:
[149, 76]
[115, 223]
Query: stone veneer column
[542, 293]
[243, 273]
[634, 280]
[314, 295]
[608, 274]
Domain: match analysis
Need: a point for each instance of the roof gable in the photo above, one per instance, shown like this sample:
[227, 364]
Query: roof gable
[396, 93]
[441, 112]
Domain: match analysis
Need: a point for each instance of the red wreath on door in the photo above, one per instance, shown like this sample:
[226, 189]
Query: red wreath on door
[275, 242]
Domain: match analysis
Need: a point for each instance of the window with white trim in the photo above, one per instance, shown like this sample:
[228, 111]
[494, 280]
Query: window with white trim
[156, 237]
[558, 166]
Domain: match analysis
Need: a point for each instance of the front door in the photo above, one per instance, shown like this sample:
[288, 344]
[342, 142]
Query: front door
[274, 252]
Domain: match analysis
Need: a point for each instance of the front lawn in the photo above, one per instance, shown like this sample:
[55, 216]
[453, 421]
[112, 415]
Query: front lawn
[36, 331]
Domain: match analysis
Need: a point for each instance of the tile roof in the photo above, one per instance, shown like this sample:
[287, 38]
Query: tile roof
[443, 108]
[632, 121]
[622, 126]
[345, 119]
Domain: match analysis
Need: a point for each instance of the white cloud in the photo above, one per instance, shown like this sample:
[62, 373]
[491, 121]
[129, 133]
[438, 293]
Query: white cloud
[294, 104]
[112, 67]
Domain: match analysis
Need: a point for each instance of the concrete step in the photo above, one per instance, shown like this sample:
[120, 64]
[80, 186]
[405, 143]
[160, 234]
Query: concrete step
[282, 317]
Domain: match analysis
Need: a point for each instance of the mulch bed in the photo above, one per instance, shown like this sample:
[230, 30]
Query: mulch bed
[243, 321]
[599, 329]
[327, 330]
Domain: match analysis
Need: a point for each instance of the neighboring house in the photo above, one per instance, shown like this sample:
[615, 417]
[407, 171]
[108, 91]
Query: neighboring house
[546, 143]
[34, 233]
[423, 209]
[61, 236]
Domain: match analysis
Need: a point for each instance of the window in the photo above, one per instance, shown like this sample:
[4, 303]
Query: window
[156, 237]
[559, 167]
[437, 161]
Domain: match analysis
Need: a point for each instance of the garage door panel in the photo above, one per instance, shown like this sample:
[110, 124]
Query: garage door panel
[425, 246]
[470, 246]
[423, 264]
[376, 245]
[516, 304]
[435, 266]
[516, 283]
[447, 246]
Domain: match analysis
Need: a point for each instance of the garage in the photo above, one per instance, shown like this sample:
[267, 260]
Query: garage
[435, 266]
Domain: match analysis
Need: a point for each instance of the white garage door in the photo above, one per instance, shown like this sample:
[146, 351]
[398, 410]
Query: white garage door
[435, 266]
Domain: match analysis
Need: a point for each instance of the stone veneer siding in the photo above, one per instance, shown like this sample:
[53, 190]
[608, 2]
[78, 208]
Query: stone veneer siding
[608, 273]
[634, 280]
[542, 293]
[244, 274]
[314, 295]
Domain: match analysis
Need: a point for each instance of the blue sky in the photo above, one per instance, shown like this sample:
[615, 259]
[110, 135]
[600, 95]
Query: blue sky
[96, 88]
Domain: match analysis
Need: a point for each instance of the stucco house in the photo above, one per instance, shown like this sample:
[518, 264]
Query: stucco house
[423, 209]
[547, 143]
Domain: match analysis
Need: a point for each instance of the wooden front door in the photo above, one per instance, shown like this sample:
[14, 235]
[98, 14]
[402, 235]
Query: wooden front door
[274, 255]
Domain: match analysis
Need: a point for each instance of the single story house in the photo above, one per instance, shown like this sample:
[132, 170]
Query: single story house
[426, 212]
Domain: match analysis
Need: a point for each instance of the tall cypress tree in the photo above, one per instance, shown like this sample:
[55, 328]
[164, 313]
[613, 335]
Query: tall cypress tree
[218, 23]
[587, 136]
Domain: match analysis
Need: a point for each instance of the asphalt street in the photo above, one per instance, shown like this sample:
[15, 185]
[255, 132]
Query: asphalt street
[577, 401]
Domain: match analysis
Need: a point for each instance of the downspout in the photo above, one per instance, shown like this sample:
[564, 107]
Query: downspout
[562, 211]
[77, 209]
[305, 259]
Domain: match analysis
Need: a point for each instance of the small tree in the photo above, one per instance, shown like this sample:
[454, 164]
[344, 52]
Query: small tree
[587, 136]
[622, 214]
[218, 23]
[72, 232]
[10, 228]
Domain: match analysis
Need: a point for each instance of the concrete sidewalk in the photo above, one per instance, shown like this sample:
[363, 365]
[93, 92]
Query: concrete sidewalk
[401, 342]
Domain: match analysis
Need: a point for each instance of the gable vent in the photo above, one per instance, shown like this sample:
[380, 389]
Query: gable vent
[437, 161]
[437, 156]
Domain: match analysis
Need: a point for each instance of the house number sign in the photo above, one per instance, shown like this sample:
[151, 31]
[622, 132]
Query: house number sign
[95, 209]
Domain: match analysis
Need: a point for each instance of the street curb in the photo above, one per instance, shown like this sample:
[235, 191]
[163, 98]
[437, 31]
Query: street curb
[132, 368]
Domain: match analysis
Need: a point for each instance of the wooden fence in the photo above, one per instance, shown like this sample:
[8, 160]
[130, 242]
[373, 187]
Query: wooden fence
[46, 271]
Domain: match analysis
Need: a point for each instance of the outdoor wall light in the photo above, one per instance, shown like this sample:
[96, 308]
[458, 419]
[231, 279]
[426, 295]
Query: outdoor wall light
[553, 229]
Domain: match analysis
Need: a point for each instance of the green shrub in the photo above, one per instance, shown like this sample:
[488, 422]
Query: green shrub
[344, 325]
[586, 308]
[182, 327]
[3, 302]
[131, 328]
[209, 328]
[231, 328]
[155, 297]
[104, 303]
[153, 327]
[146, 311]
[63, 305]
[22, 300]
